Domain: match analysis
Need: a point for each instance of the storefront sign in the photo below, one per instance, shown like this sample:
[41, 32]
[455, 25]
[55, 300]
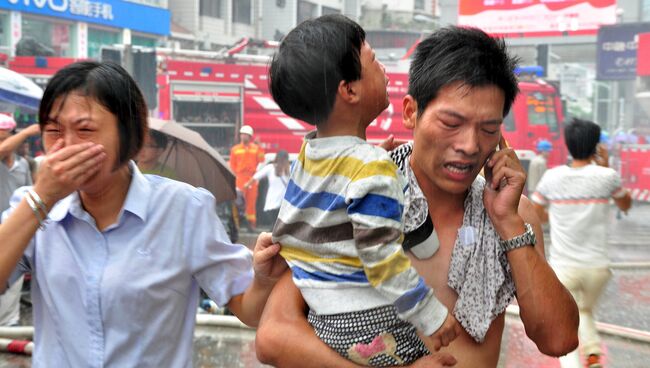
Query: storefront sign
[114, 13]
[617, 51]
[643, 55]
[517, 18]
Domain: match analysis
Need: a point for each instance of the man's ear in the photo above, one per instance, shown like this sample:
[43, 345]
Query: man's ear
[409, 112]
[348, 92]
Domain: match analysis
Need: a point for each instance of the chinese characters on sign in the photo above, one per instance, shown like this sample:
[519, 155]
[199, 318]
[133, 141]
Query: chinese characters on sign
[617, 51]
[93, 9]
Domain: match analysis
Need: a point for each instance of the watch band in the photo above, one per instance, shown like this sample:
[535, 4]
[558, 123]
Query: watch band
[527, 238]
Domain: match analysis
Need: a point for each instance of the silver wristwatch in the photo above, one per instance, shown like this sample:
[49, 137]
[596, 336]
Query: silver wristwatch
[527, 238]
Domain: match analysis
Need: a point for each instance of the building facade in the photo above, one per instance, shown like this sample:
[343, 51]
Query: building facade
[568, 49]
[79, 28]
[220, 23]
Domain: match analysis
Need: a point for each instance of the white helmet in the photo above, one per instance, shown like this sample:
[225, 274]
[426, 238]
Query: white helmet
[246, 129]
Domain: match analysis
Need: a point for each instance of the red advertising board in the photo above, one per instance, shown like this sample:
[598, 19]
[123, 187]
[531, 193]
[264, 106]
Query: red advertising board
[643, 55]
[528, 18]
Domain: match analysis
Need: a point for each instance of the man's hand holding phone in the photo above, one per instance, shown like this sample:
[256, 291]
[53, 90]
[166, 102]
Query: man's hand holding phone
[505, 179]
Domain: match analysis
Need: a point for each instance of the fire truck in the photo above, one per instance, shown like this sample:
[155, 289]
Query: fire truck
[216, 97]
[215, 93]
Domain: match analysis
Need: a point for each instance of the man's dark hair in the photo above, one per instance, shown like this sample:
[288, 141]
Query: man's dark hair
[311, 62]
[113, 88]
[466, 55]
[581, 138]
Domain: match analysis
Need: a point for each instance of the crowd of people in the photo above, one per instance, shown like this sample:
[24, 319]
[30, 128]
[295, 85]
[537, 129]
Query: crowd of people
[403, 254]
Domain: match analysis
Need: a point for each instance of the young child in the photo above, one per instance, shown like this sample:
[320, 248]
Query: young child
[340, 223]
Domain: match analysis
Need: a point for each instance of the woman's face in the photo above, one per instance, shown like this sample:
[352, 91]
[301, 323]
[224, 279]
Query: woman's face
[79, 119]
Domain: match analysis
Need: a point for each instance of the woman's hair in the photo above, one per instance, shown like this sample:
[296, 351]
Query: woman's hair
[112, 87]
[281, 163]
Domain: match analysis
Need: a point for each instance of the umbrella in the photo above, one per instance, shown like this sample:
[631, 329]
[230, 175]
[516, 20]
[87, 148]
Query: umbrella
[194, 161]
[18, 90]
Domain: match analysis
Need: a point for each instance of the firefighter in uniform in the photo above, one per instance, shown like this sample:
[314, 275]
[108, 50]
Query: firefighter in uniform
[244, 159]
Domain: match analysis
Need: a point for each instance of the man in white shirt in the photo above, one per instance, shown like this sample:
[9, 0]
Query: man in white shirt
[575, 200]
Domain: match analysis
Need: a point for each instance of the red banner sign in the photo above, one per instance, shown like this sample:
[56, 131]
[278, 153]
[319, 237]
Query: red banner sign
[643, 55]
[525, 18]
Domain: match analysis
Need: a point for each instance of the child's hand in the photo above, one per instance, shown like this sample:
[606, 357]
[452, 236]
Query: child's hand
[449, 330]
[391, 143]
[267, 262]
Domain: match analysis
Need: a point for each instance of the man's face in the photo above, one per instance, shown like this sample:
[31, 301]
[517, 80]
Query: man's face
[244, 138]
[455, 134]
[373, 82]
[150, 151]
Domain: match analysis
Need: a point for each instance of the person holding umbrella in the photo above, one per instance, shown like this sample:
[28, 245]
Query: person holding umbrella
[244, 159]
[117, 258]
[149, 157]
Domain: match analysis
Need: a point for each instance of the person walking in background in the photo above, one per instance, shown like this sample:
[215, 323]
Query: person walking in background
[538, 165]
[244, 159]
[15, 172]
[278, 177]
[575, 200]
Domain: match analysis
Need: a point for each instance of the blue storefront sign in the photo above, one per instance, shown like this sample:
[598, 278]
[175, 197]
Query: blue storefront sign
[616, 56]
[113, 13]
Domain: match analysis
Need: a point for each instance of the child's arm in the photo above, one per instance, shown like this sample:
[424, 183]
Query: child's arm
[376, 205]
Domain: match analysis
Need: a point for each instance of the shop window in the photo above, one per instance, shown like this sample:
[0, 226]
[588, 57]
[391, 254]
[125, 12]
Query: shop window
[210, 8]
[5, 29]
[98, 38]
[327, 10]
[143, 41]
[58, 37]
[241, 11]
[306, 10]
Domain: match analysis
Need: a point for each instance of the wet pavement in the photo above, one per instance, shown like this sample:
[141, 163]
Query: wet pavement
[626, 302]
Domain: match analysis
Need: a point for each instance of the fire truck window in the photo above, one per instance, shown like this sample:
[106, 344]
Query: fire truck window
[541, 110]
[215, 121]
[509, 122]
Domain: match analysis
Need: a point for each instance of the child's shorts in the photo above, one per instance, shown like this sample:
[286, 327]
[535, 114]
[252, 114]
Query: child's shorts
[374, 337]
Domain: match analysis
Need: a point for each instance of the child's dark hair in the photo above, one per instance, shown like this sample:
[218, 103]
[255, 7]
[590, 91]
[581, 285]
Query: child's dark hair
[581, 138]
[311, 62]
[466, 55]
